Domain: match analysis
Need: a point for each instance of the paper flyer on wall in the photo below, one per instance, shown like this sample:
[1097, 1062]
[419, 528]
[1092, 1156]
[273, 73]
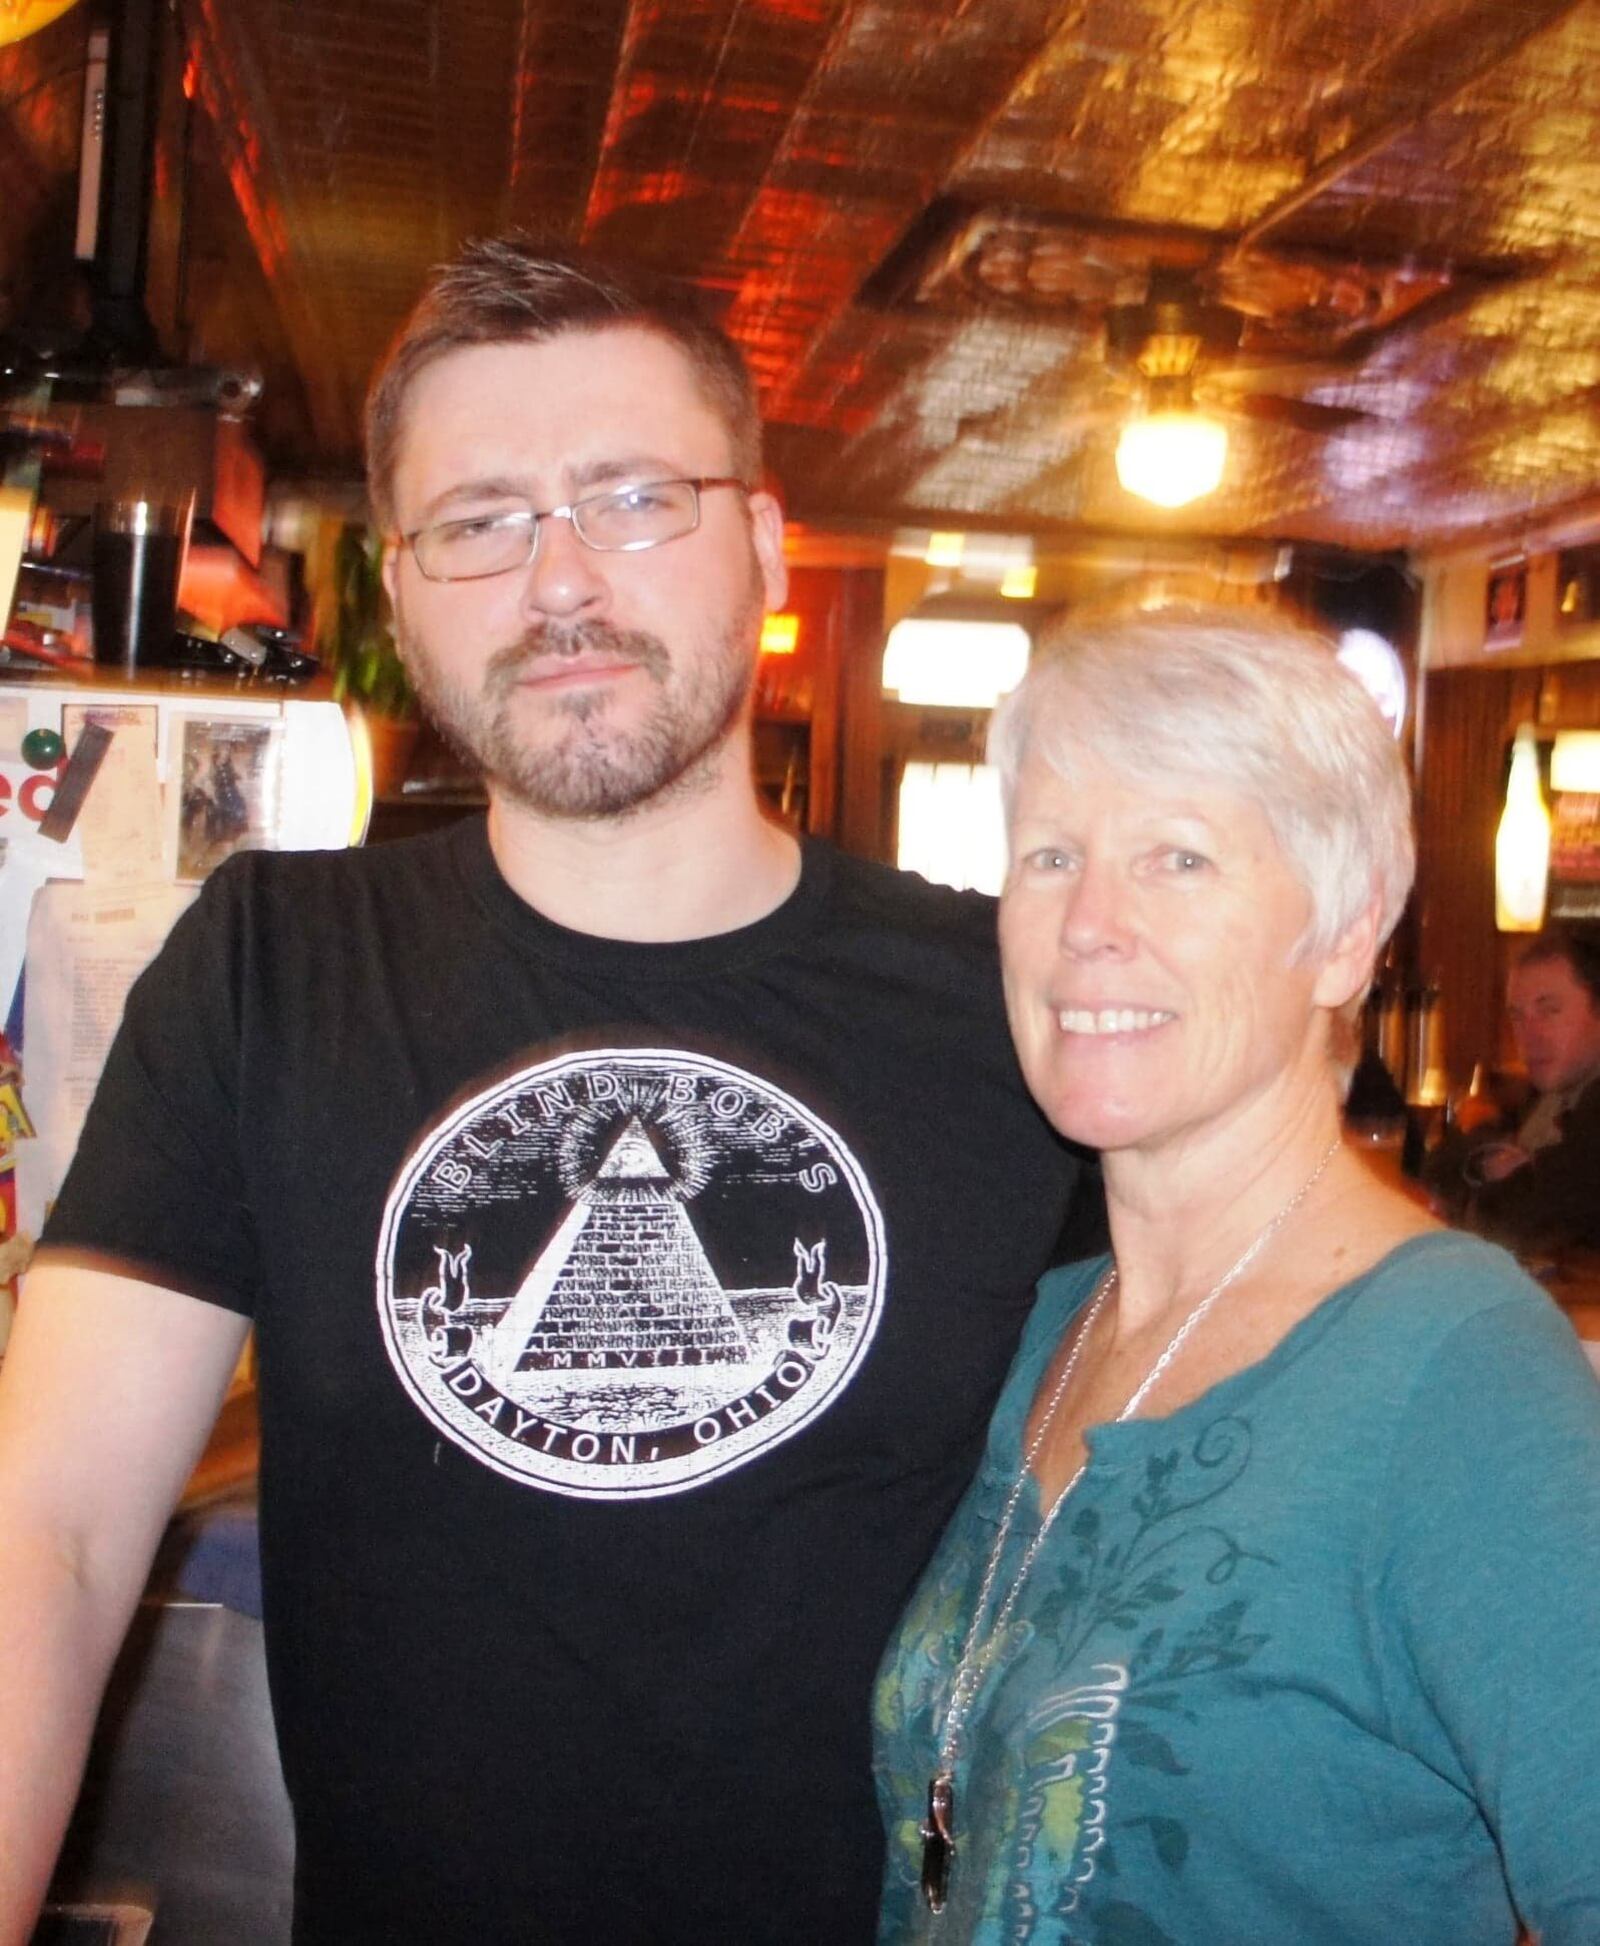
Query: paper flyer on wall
[86, 947]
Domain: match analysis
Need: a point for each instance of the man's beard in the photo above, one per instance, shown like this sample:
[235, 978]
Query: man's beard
[571, 765]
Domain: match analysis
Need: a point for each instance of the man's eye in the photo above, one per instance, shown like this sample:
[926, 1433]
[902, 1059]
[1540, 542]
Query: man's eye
[475, 527]
[637, 500]
[1047, 858]
[1184, 862]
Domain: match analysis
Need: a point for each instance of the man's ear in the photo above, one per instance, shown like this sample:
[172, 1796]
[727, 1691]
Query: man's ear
[391, 554]
[1347, 967]
[766, 529]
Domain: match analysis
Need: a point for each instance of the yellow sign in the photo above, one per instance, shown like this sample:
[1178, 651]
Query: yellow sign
[20, 18]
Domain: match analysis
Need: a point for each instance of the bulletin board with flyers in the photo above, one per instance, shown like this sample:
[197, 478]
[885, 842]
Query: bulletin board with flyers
[116, 802]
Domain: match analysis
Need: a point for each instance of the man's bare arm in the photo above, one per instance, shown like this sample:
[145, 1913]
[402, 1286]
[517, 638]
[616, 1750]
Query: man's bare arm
[108, 1391]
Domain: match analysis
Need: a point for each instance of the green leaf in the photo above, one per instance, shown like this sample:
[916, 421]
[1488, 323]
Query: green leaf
[1145, 1653]
[1060, 1740]
[1116, 1924]
[355, 641]
[1139, 1744]
[1170, 1839]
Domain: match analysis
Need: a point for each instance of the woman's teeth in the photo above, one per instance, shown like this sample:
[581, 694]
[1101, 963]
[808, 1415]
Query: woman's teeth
[1111, 1020]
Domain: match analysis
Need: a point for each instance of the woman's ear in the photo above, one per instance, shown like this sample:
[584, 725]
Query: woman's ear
[1346, 969]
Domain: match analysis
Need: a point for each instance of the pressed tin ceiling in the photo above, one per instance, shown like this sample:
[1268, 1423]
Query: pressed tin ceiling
[929, 226]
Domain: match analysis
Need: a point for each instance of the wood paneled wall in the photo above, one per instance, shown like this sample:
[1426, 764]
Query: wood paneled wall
[1468, 719]
[831, 686]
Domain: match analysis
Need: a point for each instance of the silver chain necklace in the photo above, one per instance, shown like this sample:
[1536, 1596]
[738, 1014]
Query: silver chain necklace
[978, 1650]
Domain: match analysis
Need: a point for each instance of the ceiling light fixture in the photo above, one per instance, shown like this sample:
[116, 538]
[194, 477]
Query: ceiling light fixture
[1171, 456]
[17, 23]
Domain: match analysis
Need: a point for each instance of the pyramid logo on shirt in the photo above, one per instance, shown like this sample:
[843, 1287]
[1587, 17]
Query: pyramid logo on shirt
[619, 1272]
[624, 1284]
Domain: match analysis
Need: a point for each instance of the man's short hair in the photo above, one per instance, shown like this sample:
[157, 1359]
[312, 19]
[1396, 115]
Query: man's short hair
[1579, 948]
[515, 289]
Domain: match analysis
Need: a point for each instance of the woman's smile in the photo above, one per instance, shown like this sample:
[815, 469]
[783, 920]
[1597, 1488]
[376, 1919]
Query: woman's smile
[1101, 1023]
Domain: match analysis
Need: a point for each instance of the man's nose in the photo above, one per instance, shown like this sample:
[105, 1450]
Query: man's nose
[564, 577]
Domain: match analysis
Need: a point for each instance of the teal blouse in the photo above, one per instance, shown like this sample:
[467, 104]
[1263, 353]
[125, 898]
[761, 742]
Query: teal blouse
[1314, 1659]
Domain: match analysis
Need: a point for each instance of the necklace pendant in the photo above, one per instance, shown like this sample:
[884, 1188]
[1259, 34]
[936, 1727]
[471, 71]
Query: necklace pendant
[939, 1840]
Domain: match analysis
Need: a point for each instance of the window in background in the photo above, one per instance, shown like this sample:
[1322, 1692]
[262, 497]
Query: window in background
[954, 664]
[951, 827]
[1376, 665]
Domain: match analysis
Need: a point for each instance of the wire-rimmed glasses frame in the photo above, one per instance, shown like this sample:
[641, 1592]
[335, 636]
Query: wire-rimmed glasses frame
[620, 520]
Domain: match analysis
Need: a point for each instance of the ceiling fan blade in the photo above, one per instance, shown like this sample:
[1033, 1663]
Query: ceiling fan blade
[1253, 369]
[1073, 425]
[1071, 421]
[1305, 415]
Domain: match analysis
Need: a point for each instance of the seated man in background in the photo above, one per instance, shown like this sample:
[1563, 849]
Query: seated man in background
[1536, 1184]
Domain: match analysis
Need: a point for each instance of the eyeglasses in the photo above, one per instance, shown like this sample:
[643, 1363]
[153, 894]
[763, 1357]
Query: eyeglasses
[625, 521]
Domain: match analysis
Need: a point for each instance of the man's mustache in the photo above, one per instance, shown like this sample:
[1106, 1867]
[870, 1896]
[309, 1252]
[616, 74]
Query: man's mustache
[553, 644]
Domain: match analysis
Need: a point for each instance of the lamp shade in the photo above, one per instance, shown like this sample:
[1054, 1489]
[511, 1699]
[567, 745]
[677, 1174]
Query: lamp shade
[1522, 842]
[1171, 458]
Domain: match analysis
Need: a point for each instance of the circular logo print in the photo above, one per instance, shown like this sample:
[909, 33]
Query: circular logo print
[623, 1272]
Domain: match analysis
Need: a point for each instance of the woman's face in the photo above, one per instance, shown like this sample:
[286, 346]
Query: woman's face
[1146, 936]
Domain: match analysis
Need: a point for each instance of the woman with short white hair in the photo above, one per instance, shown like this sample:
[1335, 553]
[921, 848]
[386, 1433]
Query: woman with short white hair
[1271, 1615]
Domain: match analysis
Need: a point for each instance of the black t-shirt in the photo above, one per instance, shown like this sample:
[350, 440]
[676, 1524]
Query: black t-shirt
[628, 1319]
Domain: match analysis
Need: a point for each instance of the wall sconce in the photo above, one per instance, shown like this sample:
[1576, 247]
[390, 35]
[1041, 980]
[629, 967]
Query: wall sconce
[1522, 842]
[945, 550]
[780, 634]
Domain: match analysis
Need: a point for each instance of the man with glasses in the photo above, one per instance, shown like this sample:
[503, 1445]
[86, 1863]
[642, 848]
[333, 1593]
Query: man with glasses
[636, 1209]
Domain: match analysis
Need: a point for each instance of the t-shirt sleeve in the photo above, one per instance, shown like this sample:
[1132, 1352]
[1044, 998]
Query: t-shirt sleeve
[1493, 1568]
[157, 1178]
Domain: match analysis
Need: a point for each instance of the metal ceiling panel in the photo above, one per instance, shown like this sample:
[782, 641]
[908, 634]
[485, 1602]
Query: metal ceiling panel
[1409, 187]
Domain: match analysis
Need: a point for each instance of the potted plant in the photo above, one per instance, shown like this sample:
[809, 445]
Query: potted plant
[356, 643]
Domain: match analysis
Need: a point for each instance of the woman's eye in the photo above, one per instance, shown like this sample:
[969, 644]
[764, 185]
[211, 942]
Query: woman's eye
[1185, 862]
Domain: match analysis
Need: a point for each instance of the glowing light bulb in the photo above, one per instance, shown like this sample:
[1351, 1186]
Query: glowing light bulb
[1171, 458]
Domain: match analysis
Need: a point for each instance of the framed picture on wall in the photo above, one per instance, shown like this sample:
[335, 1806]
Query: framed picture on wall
[1577, 586]
[226, 795]
[1506, 603]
